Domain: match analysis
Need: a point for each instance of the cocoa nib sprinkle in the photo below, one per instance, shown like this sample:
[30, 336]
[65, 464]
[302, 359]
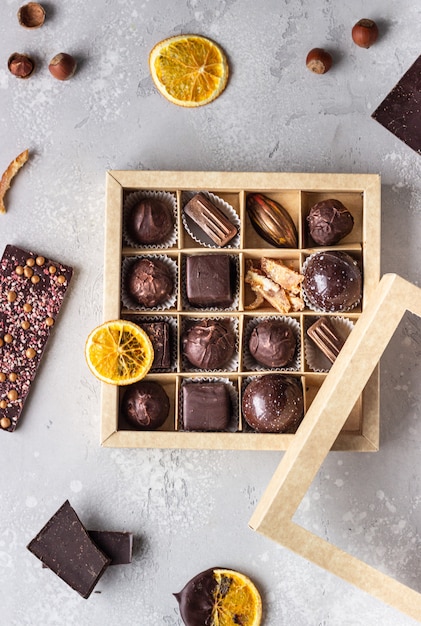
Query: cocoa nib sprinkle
[32, 289]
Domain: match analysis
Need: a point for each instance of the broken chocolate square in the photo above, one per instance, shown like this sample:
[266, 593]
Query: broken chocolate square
[400, 111]
[65, 547]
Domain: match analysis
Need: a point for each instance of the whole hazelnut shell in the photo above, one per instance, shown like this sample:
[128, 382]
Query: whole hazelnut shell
[31, 15]
[319, 61]
[62, 66]
[365, 33]
[20, 65]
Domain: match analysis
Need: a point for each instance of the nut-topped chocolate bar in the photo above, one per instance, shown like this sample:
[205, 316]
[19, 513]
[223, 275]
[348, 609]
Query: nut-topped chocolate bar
[227, 272]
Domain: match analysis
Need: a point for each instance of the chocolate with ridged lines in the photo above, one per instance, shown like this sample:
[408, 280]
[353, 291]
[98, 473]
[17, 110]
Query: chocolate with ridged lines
[32, 290]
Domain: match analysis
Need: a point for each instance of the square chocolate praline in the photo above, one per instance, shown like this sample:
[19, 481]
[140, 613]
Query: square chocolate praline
[159, 334]
[209, 281]
[206, 406]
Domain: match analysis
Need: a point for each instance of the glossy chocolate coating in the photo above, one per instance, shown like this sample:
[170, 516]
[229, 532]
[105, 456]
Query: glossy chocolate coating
[209, 344]
[329, 221]
[206, 406]
[273, 403]
[272, 343]
[332, 281]
[145, 405]
[151, 221]
[197, 599]
[149, 282]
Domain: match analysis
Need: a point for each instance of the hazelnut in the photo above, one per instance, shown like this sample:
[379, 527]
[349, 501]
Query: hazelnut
[62, 66]
[5, 422]
[319, 61]
[365, 33]
[20, 65]
[31, 15]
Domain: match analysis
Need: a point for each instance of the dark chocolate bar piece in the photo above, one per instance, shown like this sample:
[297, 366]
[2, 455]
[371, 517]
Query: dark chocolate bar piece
[65, 547]
[206, 406]
[32, 289]
[210, 219]
[118, 546]
[159, 334]
[209, 280]
[326, 338]
[400, 111]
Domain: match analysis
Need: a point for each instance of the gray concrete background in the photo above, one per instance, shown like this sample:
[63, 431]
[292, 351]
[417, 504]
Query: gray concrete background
[190, 509]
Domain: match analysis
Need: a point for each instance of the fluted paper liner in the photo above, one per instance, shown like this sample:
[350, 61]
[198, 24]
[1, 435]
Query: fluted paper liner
[132, 200]
[250, 363]
[197, 234]
[234, 419]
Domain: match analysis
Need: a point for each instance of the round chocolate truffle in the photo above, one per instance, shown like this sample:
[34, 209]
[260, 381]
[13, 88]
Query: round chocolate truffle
[329, 221]
[149, 282]
[209, 344]
[273, 403]
[332, 281]
[151, 221]
[272, 343]
[145, 405]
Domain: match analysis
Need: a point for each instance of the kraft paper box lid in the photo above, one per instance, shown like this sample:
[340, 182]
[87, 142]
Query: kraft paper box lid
[357, 361]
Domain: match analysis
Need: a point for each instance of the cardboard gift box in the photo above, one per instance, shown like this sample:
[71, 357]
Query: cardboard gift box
[325, 418]
[297, 193]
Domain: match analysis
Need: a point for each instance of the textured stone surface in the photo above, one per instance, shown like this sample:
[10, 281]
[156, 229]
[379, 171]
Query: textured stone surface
[189, 510]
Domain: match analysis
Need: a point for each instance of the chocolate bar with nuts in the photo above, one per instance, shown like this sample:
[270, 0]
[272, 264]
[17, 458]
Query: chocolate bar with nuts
[32, 289]
[65, 547]
[326, 338]
[210, 219]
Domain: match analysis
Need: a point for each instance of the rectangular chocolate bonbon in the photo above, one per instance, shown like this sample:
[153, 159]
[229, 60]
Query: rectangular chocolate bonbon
[400, 111]
[326, 339]
[206, 406]
[210, 219]
[65, 547]
[159, 334]
[32, 289]
[209, 280]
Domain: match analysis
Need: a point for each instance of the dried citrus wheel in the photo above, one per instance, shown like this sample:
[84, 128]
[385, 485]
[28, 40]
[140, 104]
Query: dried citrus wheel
[189, 70]
[119, 352]
[220, 597]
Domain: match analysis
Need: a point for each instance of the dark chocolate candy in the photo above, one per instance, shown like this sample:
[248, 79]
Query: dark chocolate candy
[118, 546]
[197, 599]
[329, 221]
[273, 403]
[209, 280]
[65, 547]
[210, 219]
[272, 343]
[32, 289]
[209, 344]
[149, 282]
[326, 338]
[400, 111]
[159, 334]
[145, 405]
[149, 222]
[206, 406]
[332, 281]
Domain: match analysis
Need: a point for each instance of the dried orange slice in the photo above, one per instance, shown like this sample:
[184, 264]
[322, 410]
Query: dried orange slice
[189, 70]
[119, 352]
[220, 597]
